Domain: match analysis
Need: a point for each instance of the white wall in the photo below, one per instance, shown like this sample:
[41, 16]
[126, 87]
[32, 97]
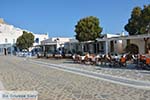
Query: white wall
[41, 37]
[58, 41]
[10, 33]
[119, 46]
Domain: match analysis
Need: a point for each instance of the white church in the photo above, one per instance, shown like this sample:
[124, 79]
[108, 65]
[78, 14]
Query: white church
[9, 35]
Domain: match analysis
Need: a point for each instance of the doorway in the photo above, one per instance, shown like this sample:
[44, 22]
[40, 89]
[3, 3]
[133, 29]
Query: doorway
[5, 51]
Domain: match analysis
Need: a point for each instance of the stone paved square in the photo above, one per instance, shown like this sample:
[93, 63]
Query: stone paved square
[18, 74]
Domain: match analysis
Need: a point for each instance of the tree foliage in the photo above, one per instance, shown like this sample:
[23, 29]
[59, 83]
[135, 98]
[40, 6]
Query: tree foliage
[88, 29]
[139, 23]
[25, 41]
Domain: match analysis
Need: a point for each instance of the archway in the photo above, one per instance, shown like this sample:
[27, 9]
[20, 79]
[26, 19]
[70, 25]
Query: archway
[132, 49]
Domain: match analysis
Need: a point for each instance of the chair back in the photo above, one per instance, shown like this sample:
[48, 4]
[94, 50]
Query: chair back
[123, 59]
[142, 57]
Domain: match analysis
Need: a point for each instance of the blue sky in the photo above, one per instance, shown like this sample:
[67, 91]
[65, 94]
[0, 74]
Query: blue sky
[58, 17]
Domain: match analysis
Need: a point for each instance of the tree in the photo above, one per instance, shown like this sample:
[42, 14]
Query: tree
[25, 41]
[133, 26]
[145, 20]
[139, 23]
[88, 29]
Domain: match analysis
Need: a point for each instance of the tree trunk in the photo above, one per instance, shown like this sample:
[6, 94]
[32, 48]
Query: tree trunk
[82, 47]
[146, 44]
[27, 49]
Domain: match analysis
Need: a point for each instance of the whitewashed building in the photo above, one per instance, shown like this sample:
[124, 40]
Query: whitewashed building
[121, 42]
[110, 43]
[98, 46]
[54, 44]
[9, 35]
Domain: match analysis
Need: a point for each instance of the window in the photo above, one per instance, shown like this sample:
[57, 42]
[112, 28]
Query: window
[6, 40]
[37, 40]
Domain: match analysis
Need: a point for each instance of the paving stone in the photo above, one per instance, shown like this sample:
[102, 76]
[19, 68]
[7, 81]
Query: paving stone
[51, 84]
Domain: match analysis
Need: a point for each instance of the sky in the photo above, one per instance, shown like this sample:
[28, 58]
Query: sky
[59, 17]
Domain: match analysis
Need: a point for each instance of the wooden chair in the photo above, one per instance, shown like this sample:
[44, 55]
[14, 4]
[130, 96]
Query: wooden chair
[147, 62]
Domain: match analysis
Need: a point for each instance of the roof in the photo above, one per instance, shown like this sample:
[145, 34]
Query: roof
[125, 37]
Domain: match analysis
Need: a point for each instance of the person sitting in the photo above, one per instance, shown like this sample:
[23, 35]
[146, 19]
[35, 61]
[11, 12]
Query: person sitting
[93, 59]
[135, 58]
[147, 62]
[122, 61]
[142, 58]
[109, 58]
[86, 59]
